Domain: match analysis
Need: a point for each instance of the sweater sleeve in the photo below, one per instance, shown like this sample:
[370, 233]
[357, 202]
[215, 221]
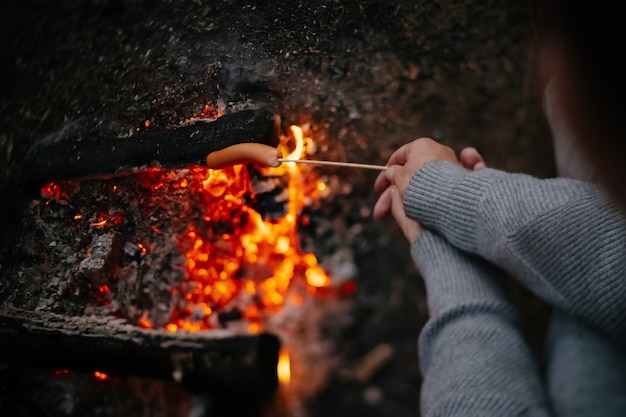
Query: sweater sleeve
[473, 358]
[563, 239]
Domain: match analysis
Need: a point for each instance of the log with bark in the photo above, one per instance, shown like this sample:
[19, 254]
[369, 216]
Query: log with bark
[78, 153]
[216, 362]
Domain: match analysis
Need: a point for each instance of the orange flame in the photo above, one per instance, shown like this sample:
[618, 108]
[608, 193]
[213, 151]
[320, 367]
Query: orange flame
[239, 257]
[236, 261]
[283, 369]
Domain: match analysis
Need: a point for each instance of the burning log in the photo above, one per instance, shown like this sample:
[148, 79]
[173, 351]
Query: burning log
[216, 362]
[140, 275]
[65, 156]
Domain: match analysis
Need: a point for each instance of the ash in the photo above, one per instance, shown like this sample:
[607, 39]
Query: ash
[374, 74]
[115, 247]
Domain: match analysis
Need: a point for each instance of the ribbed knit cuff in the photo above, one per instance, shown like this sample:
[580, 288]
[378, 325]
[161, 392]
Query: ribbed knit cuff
[453, 277]
[445, 197]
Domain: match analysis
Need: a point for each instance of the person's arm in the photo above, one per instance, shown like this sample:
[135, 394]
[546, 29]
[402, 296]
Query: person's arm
[563, 239]
[473, 358]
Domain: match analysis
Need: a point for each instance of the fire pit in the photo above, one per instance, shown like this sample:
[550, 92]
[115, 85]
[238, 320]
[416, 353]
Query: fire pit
[189, 275]
[128, 279]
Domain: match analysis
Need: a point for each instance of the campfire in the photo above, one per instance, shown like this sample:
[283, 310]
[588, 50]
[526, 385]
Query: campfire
[213, 258]
[238, 263]
[112, 108]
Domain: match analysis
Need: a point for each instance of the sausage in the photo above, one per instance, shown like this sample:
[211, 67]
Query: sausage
[244, 153]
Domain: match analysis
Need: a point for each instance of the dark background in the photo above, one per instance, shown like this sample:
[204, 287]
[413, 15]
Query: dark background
[368, 76]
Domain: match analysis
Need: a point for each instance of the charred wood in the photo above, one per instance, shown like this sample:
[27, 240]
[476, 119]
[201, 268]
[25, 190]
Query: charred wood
[67, 155]
[213, 362]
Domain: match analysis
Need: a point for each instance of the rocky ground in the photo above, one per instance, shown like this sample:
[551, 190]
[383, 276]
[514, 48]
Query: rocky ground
[365, 76]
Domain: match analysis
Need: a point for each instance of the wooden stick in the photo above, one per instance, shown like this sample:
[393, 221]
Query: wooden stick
[334, 163]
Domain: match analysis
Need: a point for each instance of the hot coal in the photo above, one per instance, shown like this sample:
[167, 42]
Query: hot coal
[113, 250]
[369, 75]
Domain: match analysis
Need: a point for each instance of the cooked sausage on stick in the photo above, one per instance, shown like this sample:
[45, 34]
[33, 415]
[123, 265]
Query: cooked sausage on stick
[244, 153]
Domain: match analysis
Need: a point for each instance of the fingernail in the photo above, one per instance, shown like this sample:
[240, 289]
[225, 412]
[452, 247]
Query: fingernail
[389, 172]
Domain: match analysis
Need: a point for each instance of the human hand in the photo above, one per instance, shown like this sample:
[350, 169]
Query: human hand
[392, 183]
[471, 159]
[406, 160]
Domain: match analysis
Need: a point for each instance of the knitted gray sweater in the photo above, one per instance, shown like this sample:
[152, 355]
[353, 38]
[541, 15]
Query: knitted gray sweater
[562, 239]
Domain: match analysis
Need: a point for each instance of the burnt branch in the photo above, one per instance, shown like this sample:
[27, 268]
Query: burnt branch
[214, 362]
[78, 154]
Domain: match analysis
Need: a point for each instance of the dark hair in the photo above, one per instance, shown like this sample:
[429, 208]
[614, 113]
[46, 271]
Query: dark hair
[591, 38]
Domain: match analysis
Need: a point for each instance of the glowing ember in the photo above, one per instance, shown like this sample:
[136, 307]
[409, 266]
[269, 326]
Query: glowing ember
[105, 219]
[349, 287]
[237, 264]
[52, 191]
[100, 375]
[284, 367]
[239, 257]
[209, 112]
[316, 277]
[143, 249]
[145, 323]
